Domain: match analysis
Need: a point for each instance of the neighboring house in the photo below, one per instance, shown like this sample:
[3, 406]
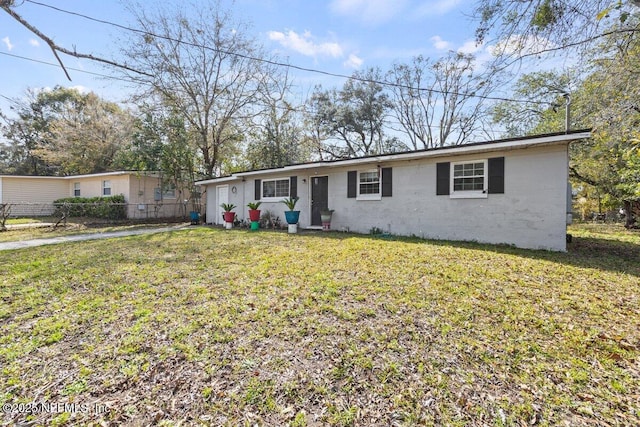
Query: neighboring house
[511, 191]
[144, 193]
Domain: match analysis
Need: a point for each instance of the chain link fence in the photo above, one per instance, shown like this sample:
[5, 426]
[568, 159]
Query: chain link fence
[114, 211]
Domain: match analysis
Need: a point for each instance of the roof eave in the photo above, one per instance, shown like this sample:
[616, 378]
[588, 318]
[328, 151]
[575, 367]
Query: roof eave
[503, 145]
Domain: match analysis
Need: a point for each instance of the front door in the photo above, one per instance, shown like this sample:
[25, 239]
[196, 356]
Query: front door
[223, 197]
[319, 197]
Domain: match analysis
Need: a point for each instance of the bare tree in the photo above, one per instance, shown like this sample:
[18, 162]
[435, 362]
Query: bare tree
[7, 5]
[351, 121]
[440, 102]
[202, 64]
[276, 137]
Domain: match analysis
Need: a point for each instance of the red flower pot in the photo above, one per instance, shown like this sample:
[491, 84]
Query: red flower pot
[254, 215]
[229, 216]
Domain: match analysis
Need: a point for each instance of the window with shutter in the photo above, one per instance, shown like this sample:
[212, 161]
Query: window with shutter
[275, 189]
[370, 184]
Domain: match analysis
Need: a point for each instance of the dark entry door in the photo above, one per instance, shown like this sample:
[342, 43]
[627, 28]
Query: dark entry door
[319, 197]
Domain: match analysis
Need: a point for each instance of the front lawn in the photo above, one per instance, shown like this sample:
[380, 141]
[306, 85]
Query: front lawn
[212, 327]
[72, 228]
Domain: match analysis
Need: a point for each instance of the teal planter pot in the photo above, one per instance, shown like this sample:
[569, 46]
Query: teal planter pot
[292, 217]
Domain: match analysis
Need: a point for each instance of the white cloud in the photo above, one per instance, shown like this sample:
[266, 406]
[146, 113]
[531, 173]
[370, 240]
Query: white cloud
[7, 43]
[353, 62]
[437, 7]
[469, 47]
[440, 44]
[369, 11]
[34, 42]
[81, 89]
[305, 44]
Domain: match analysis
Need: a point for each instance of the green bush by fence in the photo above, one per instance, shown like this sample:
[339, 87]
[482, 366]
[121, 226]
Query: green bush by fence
[110, 207]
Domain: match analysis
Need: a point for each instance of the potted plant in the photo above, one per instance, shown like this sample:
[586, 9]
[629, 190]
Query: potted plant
[325, 217]
[254, 214]
[292, 216]
[228, 215]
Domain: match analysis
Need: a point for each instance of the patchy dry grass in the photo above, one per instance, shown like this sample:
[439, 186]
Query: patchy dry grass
[72, 228]
[215, 327]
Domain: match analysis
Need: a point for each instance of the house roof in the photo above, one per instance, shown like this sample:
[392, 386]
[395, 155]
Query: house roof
[91, 175]
[473, 148]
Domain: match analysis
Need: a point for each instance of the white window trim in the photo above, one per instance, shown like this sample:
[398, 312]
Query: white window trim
[470, 194]
[376, 196]
[104, 187]
[79, 189]
[168, 191]
[276, 198]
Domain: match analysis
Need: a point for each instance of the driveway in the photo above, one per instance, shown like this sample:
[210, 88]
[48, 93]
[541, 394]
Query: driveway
[6, 246]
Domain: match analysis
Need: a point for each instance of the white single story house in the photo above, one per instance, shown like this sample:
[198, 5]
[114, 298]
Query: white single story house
[511, 191]
[144, 192]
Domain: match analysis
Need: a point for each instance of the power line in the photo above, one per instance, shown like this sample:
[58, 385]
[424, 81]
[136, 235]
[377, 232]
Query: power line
[58, 66]
[301, 109]
[262, 104]
[281, 64]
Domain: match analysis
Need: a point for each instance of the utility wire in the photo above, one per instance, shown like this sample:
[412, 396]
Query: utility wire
[282, 64]
[301, 109]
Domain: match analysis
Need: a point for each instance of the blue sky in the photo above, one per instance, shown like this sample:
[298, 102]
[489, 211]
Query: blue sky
[337, 36]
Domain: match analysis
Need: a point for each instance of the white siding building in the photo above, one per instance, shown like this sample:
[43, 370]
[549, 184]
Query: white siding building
[511, 191]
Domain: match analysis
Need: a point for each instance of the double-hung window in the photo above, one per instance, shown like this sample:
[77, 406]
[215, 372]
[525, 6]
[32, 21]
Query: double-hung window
[275, 188]
[168, 191]
[106, 188]
[469, 179]
[76, 189]
[369, 185]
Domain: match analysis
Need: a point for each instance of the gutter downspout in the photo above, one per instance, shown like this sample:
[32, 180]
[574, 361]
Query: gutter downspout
[567, 113]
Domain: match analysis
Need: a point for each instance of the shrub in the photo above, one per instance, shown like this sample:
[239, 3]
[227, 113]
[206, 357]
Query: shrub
[110, 207]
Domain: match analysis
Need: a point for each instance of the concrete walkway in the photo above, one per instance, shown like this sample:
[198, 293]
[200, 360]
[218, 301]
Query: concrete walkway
[29, 225]
[6, 246]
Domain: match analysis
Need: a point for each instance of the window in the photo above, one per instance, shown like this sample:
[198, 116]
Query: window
[106, 188]
[369, 185]
[468, 176]
[472, 179]
[76, 189]
[469, 179]
[275, 188]
[168, 191]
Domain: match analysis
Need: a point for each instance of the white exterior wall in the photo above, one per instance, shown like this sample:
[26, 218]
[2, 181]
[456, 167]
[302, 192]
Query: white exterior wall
[530, 214]
[32, 196]
[213, 208]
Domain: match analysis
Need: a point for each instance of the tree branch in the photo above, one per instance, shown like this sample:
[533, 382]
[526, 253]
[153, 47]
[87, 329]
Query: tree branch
[5, 5]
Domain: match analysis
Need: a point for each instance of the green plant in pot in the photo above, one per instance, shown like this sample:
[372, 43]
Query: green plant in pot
[292, 216]
[254, 212]
[228, 214]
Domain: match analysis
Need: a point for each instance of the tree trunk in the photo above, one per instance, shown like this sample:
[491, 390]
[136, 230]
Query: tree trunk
[630, 218]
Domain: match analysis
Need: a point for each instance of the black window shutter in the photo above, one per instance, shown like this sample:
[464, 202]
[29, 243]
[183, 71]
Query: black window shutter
[293, 186]
[352, 178]
[442, 178]
[496, 175]
[258, 190]
[387, 182]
